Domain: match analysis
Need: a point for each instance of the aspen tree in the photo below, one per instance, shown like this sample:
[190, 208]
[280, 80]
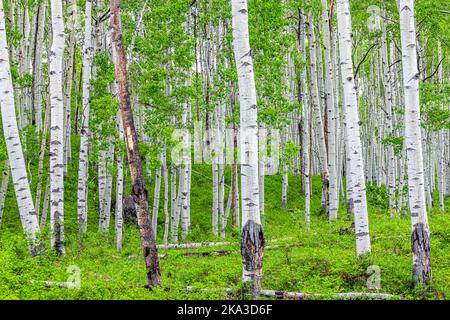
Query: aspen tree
[57, 127]
[13, 144]
[84, 132]
[353, 140]
[420, 239]
[252, 243]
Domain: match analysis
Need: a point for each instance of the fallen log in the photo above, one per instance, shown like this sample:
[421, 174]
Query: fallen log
[206, 244]
[306, 296]
[336, 296]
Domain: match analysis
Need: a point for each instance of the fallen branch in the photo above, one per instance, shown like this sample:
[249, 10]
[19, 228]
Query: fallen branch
[336, 296]
[305, 296]
[206, 244]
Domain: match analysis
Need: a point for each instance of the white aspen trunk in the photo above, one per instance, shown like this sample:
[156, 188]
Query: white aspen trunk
[184, 201]
[101, 187]
[12, 138]
[261, 169]
[166, 199]
[56, 127]
[315, 100]
[36, 88]
[285, 177]
[4, 189]
[173, 207]
[353, 139]
[45, 205]
[306, 124]
[119, 190]
[331, 117]
[108, 187]
[70, 74]
[156, 199]
[84, 132]
[41, 160]
[442, 142]
[416, 191]
[252, 244]
[215, 206]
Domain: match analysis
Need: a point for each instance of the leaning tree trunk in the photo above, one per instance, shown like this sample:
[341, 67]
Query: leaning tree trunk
[12, 139]
[353, 139]
[84, 133]
[139, 190]
[57, 127]
[252, 243]
[420, 232]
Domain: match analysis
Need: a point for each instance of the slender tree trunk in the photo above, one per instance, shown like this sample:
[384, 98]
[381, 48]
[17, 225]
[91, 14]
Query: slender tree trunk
[166, 199]
[318, 114]
[420, 232]
[57, 127]
[41, 160]
[252, 243]
[84, 132]
[13, 145]
[119, 190]
[331, 117]
[4, 189]
[156, 199]
[307, 126]
[353, 139]
[36, 87]
[45, 205]
[139, 191]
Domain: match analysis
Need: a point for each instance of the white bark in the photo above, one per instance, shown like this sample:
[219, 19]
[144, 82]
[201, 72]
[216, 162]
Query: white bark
[4, 189]
[252, 246]
[331, 117]
[12, 138]
[315, 100]
[353, 139]
[57, 127]
[84, 132]
[119, 189]
[413, 139]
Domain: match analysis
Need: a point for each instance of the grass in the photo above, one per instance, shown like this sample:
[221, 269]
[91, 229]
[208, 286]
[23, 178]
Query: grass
[320, 260]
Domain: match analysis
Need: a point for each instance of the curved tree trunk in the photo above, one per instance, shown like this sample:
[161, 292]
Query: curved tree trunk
[12, 138]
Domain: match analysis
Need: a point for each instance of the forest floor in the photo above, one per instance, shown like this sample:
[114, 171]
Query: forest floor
[320, 260]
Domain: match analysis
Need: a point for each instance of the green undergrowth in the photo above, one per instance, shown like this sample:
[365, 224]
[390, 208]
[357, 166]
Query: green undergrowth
[320, 260]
